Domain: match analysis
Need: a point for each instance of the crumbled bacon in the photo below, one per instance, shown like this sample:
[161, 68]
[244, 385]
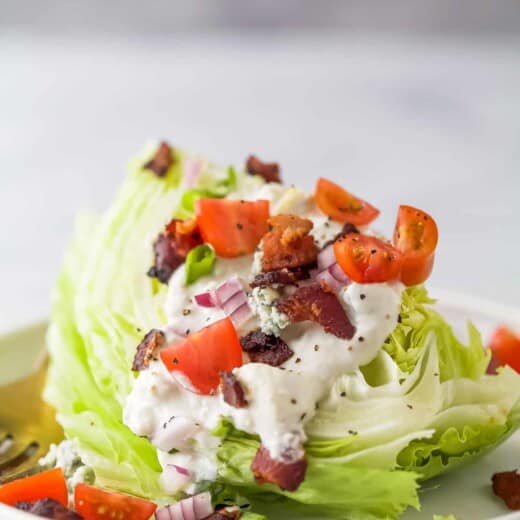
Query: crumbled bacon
[265, 348]
[283, 276]
[312, 302]
[232, 390]
[347, 230]
[287, 476]
[225, 514]
[506, 485]
[288, 243]
[147, 349]
[269, 171]
[172, 246]
[48, 508]
[161, 161]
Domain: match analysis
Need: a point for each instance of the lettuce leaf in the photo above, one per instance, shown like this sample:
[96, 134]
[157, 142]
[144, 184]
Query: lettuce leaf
[336, 490]
[406, 343]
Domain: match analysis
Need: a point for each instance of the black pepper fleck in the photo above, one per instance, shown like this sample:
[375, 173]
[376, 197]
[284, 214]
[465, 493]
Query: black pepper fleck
[298, 360]
[187, 332]
[410, 406]
[436, 374]
[373, 251]
[343, 394]
[185, 312]
[175, 361]
[302, 416]
[399, 319]
[361, 338]
[362, 296]
[316, 348]
[293, 401]
[352, 432]
[240, 226]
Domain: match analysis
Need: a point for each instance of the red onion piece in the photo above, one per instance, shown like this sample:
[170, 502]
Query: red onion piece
[241, 315]
[196, 507]
[175, 434]
[236, 301]
[163, 513]
[327, 279]
[202, 505]
[326, 258]
[181, 470]
[176, 511]
[206, 299]
[187, 509]
[229, 288]
[191, 170]
[337, 272]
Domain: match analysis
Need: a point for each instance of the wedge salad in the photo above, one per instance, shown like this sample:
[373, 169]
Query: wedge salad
[226, 346]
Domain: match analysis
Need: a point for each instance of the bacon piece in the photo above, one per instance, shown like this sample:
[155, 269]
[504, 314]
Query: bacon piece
[313, 303]
[348, 228]
[232, 390]
[226, 513]
[265, 348]
[172, 246]
[287, 476]
[283, 276]
[147, 349]
[288, 243]
[506, 485]
[269, 171]
[161, 161]
[48, 508]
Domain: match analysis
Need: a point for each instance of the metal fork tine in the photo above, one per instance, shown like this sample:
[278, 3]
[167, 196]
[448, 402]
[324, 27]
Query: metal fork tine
[17, 454]
[6, 443]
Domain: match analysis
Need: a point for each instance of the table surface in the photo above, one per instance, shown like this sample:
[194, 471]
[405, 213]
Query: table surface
[429, 122]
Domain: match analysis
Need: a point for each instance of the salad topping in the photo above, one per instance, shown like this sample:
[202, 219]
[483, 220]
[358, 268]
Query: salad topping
[161, 161]
[148, 349]
[270, 172]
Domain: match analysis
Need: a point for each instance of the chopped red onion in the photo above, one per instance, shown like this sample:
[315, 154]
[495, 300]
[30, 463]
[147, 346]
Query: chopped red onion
[337, 272]
[202, 505]
[174, 434]
[191, 170]
[163, 513]
[196, 507]
[187, 509]
[181, 470]
[241, 315]
[229, 288]
[333, 277]
[236, 301]
[326, 258]
[206, 299]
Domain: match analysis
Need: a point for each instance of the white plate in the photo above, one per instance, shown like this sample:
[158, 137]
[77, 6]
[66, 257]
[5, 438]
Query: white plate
[466, 493]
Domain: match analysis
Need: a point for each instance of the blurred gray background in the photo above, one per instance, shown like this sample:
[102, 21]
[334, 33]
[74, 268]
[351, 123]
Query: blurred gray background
[402, 102]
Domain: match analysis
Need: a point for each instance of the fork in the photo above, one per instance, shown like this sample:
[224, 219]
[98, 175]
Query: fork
[27, 426]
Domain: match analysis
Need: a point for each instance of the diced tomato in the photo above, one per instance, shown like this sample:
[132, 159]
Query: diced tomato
[366, 259]
[47, 484]
[341, 205]
[232, 227]
[505, 345]
[203, 355]
[93, 503]
[416, 237]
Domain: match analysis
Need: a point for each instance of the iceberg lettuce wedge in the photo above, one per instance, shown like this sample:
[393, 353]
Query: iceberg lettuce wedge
[422, 407]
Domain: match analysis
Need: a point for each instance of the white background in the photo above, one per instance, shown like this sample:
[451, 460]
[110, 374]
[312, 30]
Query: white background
[428, 120]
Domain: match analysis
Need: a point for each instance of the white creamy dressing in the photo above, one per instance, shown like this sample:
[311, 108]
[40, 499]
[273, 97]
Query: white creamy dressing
[281, 400]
